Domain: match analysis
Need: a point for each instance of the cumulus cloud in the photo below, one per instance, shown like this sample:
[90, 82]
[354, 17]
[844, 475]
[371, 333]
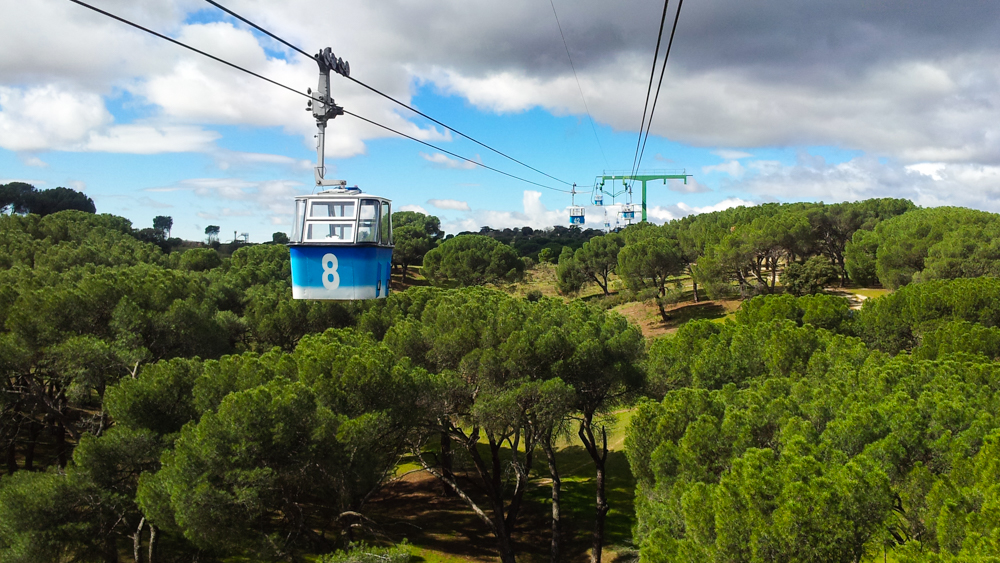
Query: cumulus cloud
[732, 168]
[35, 162]
[416, 208]
[927, 184]
[691, 187]
[731, 154]
[449, 204]
[147, 139]
[227, 160]
[534, 215]
[897, 80]
[913, 83]
[662, 214]
[153, 203]
[236, 197]
[44, 117]
[441, 161]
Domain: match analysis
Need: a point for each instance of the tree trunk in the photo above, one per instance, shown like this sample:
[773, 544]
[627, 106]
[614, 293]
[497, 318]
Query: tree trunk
[152, 544]
[137, 542]
[550, 455]
[34, 429]
[603, 286]
[599, 457]
[447, 463]
[110, 549]
[694, 286]
[61, 450]
[663, 310]
[12, 456]
[504, 547]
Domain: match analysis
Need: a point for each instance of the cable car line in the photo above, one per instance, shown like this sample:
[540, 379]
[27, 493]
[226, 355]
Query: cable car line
[186, 46]
[388, 97]
[572, 66]
[387, 128]
[663, 70]
[649, 88]
[258, 28]
[290, 89]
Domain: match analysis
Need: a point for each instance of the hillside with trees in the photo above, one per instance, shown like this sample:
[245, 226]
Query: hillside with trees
[169, 402]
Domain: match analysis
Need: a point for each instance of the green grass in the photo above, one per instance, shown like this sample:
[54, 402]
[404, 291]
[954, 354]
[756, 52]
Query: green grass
[869, 292]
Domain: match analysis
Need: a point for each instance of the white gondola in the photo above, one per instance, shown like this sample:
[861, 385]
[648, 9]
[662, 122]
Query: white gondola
[599, 197]
[628, 212]
[341, 245]
[576, 215]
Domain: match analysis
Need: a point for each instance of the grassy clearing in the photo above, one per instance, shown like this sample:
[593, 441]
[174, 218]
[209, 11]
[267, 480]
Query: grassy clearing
[647, 317]
[542, 277]
[870, 293]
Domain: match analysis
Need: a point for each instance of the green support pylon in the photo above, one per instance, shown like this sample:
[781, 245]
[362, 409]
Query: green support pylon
[645, 178]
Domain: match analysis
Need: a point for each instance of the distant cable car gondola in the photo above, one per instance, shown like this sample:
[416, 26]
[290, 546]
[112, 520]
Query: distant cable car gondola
[341, 245]
[576, 213]
[628, 212]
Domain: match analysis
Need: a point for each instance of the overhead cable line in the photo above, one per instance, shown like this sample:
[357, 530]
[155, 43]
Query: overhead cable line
[186, 46]
[290, 89]
[477, 163]
[582, 97]
[387, 96]
[649, 88]
[663, 70]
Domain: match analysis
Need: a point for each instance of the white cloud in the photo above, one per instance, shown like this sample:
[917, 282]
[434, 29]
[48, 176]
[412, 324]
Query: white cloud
[148, 139]
[731, 154]
[416, 208]
[662, 214]
[152, 203]
[739, 77]
[691, 187]
[35, 162]
[927, 184]
[442, 161]
[932, 169]
[271, 197]
[534, 215]
[45, 117]
[733, 168]
[227, 160]
[452, 204]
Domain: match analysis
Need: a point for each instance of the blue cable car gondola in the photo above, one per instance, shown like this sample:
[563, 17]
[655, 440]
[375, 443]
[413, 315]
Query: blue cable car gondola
[341, 245]
[576, 215]
[628, 212]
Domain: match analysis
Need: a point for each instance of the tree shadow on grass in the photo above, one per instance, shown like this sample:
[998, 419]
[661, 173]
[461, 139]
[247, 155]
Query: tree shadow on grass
[417, 509]
[684, 313]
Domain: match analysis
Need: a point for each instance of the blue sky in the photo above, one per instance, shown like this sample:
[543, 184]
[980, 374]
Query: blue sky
[756, 108]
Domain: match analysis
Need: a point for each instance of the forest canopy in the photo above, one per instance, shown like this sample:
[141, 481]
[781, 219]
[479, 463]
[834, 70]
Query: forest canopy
[181, 403]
